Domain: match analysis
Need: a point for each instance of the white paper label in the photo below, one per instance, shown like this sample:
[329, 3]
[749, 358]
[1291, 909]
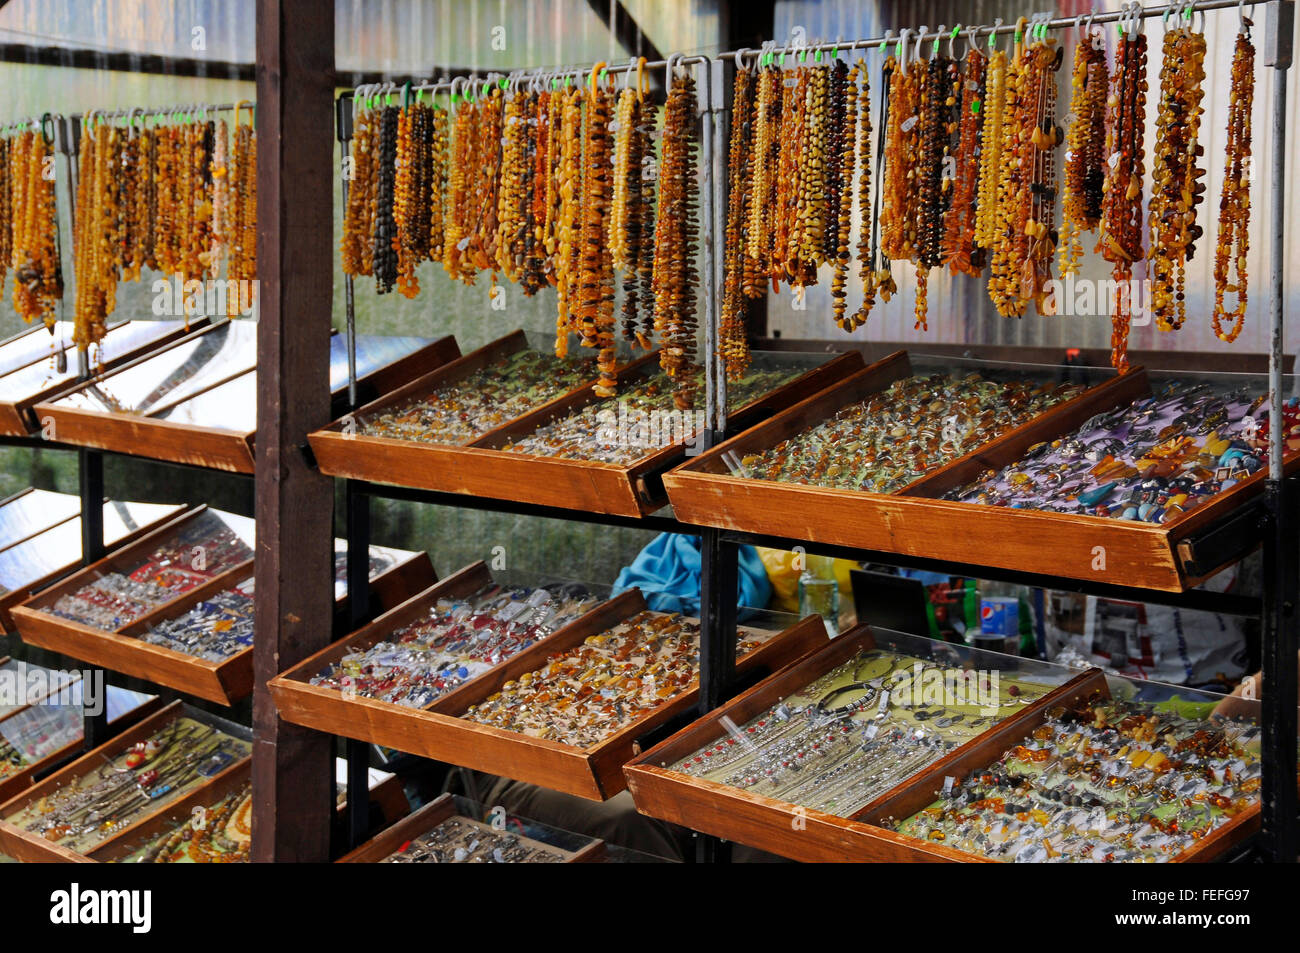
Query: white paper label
[884, 701]
[909, 123]
[947, 785]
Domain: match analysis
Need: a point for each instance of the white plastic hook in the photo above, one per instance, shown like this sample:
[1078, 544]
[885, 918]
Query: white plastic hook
[920, 38]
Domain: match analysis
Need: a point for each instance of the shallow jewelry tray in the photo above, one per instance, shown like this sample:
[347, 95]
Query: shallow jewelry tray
[906, 800]
[915, 522]
[54, 549]
[781, 827]
[480, 468]
[208, 418]
[434, 813]
[27, 377]
[33, 848]
[437, 732]
[18, 782]
[124, 650]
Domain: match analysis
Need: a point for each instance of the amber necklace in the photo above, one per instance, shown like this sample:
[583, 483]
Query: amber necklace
[1234, 203]
[1175, 190]
[733, 345]
[1085, 156]
[676, 240]
[1121, 224]
[961, 252]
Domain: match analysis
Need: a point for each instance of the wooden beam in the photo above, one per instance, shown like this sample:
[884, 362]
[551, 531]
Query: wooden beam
[292, 767]
[626, 30]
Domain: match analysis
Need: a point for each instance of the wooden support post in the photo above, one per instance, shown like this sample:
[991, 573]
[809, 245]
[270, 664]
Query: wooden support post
[292, 767]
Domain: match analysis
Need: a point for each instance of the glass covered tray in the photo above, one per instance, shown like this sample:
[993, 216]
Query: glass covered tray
[792, 765]
[40, 734]
[465, 429]
[1124, 772]
[196, 400]
[485, 719]
[36, 364]
[108, 792]
[1167, 476]
[199, 638]
[455, 830]
[37, 558]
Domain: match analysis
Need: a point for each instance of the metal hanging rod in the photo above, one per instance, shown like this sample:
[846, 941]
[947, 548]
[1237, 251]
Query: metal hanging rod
[516, 78]
[974, 33]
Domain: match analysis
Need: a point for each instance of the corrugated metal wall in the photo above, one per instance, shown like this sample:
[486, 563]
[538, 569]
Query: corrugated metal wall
[959, 310]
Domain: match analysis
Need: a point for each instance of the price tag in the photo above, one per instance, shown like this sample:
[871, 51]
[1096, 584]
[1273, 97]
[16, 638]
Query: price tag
[1113, 160]
[871, 731]
[947, 785]
[910, 122]
[884, 702]
[538, 597]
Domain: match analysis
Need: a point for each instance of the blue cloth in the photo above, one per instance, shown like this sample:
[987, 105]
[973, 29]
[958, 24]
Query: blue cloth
[667, 571]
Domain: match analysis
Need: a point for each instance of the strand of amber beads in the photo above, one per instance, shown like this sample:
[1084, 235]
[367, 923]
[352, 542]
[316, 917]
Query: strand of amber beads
[961, 253]
[1085, 152]
[1234, 201]
[733, 346]
[1175, 190]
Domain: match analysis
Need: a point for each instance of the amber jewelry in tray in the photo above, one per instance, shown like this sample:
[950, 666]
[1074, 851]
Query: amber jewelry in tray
[713, 490]
[581, 468]
[447, 729]
[1090, 779]
[793, 765]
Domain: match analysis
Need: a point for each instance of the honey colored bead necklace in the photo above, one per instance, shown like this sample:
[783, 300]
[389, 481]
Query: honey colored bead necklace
[676, 240]
[596, 282]
[1234, 201]
[32, 220]
[1175, 190]
[733, 344]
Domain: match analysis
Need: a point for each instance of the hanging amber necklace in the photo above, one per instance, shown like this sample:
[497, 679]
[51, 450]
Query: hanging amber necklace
[1175, 190]
[961, 252]
[596, 284]
[844, 118]
[676, 239]
[1085, 156]
[34, 252]
[765, 182]
[1234, 202]
[1121, 224]
[733, 345]
[568, 218]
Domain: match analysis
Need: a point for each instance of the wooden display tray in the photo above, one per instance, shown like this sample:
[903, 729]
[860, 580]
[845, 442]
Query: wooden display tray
[430, 816]
[783, 828]
[32, 848]
[920, 793]
[17, 416]
[21, 594]
[207, 795]
[203, 446]
[480, 468]
[122, 650]
[15, 784]
[914, 522]
[437, 732]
